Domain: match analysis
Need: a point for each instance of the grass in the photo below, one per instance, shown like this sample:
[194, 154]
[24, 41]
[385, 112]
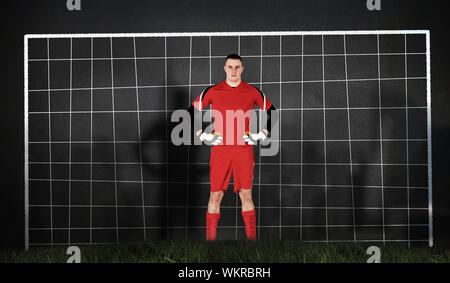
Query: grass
[228, 252]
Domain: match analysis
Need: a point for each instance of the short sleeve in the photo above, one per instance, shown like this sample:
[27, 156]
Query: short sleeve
[262, 101]
[203, 100]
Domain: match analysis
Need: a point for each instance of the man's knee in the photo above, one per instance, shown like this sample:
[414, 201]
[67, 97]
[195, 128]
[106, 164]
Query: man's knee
[245, 195]
[216, 197]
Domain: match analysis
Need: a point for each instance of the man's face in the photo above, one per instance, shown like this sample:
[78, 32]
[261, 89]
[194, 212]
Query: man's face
[234, 69]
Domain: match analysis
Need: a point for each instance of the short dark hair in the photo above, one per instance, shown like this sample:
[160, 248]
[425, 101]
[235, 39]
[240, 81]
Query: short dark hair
[234, 56]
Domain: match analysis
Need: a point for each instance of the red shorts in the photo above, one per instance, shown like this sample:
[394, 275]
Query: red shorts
[236, 160]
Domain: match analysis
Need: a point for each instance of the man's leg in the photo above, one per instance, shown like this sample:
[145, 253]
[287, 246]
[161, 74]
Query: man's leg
[248, 213]
[213, 215]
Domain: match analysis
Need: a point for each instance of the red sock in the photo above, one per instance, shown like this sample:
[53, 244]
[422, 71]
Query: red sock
[250, 224]
[211, 225]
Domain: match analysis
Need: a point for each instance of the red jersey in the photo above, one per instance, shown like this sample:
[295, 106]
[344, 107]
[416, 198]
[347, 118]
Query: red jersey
[232, 109]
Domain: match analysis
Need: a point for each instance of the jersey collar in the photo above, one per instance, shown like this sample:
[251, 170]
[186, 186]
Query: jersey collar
[240, 85]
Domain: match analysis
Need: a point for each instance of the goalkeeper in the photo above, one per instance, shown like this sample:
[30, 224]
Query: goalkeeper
[232, 149]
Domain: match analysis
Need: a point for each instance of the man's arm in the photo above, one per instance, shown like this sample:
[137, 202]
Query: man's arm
[268, 128]
[261, 101]
[203, 100]
[197, 128]
[252, 139]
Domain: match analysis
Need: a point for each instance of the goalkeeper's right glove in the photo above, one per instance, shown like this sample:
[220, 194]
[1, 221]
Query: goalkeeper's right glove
[211, 139]
[252, 139]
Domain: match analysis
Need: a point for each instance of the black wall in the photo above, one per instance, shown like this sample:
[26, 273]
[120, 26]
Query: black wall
[23, 17]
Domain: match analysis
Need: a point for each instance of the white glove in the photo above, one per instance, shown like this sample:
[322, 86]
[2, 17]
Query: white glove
[211, 139]
[252, 139]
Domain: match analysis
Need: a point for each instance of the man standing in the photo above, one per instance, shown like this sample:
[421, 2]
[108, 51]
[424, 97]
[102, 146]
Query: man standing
[232, 102]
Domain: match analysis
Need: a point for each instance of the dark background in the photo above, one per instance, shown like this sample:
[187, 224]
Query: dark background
[23, 17]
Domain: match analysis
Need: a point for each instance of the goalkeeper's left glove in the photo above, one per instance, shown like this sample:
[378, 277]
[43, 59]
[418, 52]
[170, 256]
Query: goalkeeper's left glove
[211, 139]
[252, 139]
